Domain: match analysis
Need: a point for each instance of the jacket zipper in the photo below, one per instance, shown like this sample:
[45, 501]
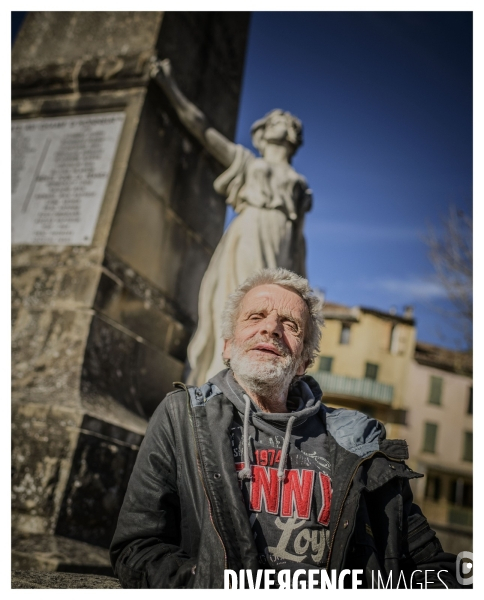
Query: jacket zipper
[347, 491]
[199, 467]
[210, 512]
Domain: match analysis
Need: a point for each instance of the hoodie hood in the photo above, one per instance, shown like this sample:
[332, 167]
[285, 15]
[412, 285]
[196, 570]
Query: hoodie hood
[300, 397]
[304, 401]
[351, 429]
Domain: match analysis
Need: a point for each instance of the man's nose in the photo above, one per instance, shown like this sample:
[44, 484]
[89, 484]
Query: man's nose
[273, 326]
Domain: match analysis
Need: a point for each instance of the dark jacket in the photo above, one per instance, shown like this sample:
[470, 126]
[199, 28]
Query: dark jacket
[183, 520]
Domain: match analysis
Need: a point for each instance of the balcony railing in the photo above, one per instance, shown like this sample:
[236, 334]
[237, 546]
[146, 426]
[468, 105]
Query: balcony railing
[351, 386]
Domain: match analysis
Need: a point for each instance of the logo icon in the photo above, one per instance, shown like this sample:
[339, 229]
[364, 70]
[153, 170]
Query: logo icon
[464, 566]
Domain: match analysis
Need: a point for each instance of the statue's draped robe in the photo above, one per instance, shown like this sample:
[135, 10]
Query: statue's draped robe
[271, 201]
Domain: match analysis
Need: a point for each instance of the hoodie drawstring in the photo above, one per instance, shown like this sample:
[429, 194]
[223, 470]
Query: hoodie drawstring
[246, 472]
[285, 447]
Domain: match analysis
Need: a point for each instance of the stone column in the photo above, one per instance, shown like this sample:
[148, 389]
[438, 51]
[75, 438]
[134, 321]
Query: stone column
[100, 331]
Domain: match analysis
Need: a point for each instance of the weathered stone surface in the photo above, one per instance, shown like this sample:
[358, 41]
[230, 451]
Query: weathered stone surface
[146, 230]
[52, 105]
[213, 46]
[106, 409]
[156, 148]
[194, 198]
[168, 168]
[128, 369]
[83, 34]
[64, 581]
[100, 471]
[100, 333]
[56, 256]
[45, 438]
[56, 553]
[61, 287]
[71, 471]
[138, 314]
[146, 248]
[139, 231]
[142, 288]
[48, 350]
[177, 341]
[190, 277]
[95, 47]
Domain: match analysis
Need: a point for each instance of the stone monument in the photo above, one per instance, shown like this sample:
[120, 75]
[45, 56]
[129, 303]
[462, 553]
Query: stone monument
[109, 249]
[271, 200]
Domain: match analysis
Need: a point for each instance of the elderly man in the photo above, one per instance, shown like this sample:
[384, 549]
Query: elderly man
[252, 472]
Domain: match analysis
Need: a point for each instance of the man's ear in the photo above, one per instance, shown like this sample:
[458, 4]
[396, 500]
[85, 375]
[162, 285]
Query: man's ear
[227, 351]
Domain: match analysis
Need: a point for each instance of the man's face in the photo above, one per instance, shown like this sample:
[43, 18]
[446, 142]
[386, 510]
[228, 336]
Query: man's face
[269, 332]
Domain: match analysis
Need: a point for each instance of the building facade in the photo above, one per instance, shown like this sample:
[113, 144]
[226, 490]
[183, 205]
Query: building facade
[370, 361]
[364, 360]
[438, 430]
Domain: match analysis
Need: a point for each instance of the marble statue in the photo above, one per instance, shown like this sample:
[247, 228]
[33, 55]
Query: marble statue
[271, 199]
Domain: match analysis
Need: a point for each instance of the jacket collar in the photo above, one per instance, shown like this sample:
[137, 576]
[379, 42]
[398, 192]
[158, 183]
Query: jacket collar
[351, 429]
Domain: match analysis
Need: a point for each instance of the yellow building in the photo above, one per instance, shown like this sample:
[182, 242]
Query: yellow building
[370, 361]
[364, 360]
[439, 434]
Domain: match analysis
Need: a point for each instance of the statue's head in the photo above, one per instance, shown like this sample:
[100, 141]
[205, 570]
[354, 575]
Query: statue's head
[277, 126]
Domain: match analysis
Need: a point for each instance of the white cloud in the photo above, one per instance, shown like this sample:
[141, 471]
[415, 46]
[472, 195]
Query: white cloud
[411, 289]
[358, 232]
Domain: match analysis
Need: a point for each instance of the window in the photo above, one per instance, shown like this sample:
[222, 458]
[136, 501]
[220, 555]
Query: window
[469, 403]
[435, 390]
[433, 488]
[345, 334]
[430, 437]
[393, 340]
[325, 363]
[460, 492]
[467, 446]
[371, 371]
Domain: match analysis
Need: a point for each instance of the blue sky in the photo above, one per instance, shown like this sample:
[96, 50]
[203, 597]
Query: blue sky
[386, 103]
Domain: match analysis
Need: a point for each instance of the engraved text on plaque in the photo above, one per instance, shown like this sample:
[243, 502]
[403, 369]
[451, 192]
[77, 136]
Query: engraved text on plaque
[60, 170]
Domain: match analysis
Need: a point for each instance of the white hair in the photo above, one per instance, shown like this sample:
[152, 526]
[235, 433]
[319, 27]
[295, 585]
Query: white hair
[291, 281]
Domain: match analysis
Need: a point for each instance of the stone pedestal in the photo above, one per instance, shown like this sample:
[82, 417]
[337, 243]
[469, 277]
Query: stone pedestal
[100, 332]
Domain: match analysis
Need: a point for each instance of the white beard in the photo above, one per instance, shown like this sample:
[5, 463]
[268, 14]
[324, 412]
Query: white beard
[265, 377]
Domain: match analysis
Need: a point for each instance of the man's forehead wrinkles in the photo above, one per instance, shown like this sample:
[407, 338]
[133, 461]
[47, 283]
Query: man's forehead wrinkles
[259, 304]
[266, 305]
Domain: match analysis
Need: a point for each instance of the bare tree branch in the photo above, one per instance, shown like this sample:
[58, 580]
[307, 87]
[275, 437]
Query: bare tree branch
[451, 255]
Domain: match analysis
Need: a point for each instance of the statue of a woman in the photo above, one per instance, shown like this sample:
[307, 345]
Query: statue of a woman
[271, 199]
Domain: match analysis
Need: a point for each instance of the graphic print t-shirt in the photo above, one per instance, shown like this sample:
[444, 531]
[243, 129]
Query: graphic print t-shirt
[289, 519]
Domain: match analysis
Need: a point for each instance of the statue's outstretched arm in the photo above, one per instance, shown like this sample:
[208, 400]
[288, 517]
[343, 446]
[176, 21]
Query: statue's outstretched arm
[193, 118]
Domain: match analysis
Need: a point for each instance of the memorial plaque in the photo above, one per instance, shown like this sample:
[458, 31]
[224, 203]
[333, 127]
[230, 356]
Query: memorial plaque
[60, 170]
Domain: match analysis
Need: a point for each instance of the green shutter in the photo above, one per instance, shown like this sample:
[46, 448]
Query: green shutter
[430, 437]
[325, 363]
[371, 371]
[435, 390]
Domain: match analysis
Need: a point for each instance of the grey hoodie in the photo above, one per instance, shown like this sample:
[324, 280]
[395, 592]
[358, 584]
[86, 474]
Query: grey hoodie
[284, 473]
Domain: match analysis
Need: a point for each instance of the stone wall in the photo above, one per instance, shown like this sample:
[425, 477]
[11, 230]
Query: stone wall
[100, 332]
